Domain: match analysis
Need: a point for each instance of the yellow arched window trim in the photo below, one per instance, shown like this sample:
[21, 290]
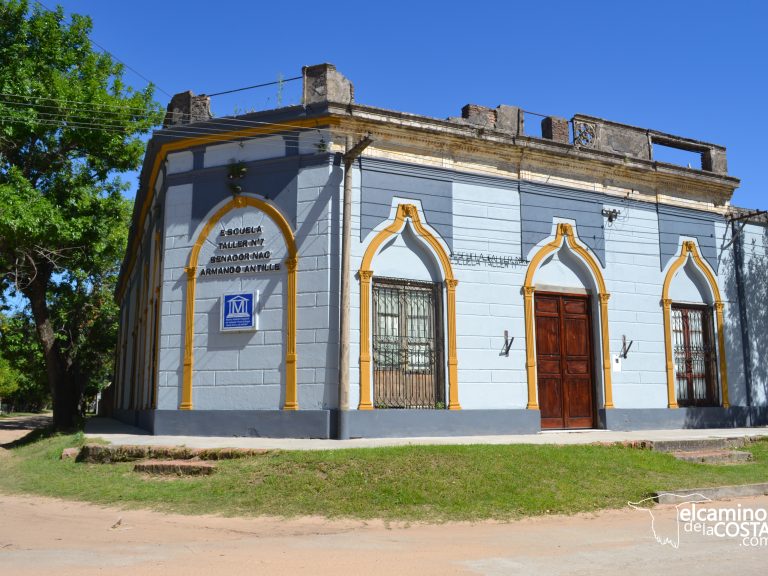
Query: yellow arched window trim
[291, 400]
[405, 212]
[689, 249]
[564, 233]
[179, 144]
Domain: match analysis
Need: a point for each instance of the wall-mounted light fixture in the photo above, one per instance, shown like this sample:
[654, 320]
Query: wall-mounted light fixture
[237, 171]
[610, 213]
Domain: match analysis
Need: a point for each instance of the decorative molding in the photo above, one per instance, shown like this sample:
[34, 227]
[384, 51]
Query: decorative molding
[366, 274]
[291, 402]
[410, 211]
[689, 248]
[564, 234]
[585, 134]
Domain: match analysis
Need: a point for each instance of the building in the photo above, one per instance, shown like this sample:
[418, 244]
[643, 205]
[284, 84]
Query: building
[499, 282]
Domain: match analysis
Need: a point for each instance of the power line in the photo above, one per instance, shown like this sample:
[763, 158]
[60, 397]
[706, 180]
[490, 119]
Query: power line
[214, 135]
[254, 86]
[209, 134]
[87, 106]
[224, 121]
[131, 68]
[90, 107]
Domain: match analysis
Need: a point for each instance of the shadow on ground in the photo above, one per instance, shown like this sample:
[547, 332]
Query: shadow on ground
[23, 430]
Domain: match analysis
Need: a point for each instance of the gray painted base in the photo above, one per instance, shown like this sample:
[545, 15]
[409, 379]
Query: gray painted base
[415, 423]
[144, 419]
[254, 423]
[666, 419]
[412, 423]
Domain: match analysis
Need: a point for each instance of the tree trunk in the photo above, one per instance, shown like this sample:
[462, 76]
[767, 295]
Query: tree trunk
[63, 389]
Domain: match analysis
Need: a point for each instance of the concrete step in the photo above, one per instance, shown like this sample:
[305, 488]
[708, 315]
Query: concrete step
[105, 454]
[714, 456]
[699, 444]
[175, 467]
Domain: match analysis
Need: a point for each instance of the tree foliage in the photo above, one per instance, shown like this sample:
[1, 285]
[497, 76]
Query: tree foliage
[68, 125]
[9, 379]
[21, 348]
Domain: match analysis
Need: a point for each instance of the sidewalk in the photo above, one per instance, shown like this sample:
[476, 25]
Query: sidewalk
[119, 434]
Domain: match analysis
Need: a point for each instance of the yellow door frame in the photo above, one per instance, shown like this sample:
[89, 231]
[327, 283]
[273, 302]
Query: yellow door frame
[564, 233]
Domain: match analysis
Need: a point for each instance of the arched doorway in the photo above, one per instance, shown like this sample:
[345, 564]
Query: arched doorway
[566, 315]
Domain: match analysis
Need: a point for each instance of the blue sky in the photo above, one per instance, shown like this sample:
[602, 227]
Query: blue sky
[695, 69]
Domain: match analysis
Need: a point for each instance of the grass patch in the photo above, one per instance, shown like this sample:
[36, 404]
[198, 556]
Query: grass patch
[430, 483]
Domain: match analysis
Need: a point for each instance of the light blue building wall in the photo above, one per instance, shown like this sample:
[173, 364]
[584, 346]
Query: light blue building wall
[494, 217]
[469, 214]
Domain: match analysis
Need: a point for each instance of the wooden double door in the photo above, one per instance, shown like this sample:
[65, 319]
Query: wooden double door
[564, 360]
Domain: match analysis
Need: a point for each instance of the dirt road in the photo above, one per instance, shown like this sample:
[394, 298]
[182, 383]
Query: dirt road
[41, 536]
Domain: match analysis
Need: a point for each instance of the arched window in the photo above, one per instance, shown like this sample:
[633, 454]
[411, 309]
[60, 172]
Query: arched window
[694, 339]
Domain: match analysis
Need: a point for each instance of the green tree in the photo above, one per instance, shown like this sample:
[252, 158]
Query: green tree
[68, 125]
[21, 348]
[9, 379]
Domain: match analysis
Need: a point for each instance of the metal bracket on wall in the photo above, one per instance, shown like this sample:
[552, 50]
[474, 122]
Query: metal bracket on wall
[507, 344]
[624, 347]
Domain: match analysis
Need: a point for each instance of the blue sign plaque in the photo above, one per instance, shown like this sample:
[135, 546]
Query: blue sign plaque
[238, 311]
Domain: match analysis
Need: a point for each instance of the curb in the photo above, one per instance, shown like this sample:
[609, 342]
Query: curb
[715, 493]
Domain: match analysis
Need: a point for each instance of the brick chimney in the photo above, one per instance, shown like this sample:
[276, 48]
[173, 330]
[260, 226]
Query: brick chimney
[186, 108]
[556, 129]
[323, 83]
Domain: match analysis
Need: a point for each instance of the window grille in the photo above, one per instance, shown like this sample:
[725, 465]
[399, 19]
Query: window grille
[407, 347]
[694, 356]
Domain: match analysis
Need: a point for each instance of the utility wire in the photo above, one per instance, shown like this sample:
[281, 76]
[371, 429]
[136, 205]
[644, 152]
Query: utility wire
[254, 86]
[89, 107]
[224, 121]
[212, 136]
[208, 135]
[215, 135]
[131, 68]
